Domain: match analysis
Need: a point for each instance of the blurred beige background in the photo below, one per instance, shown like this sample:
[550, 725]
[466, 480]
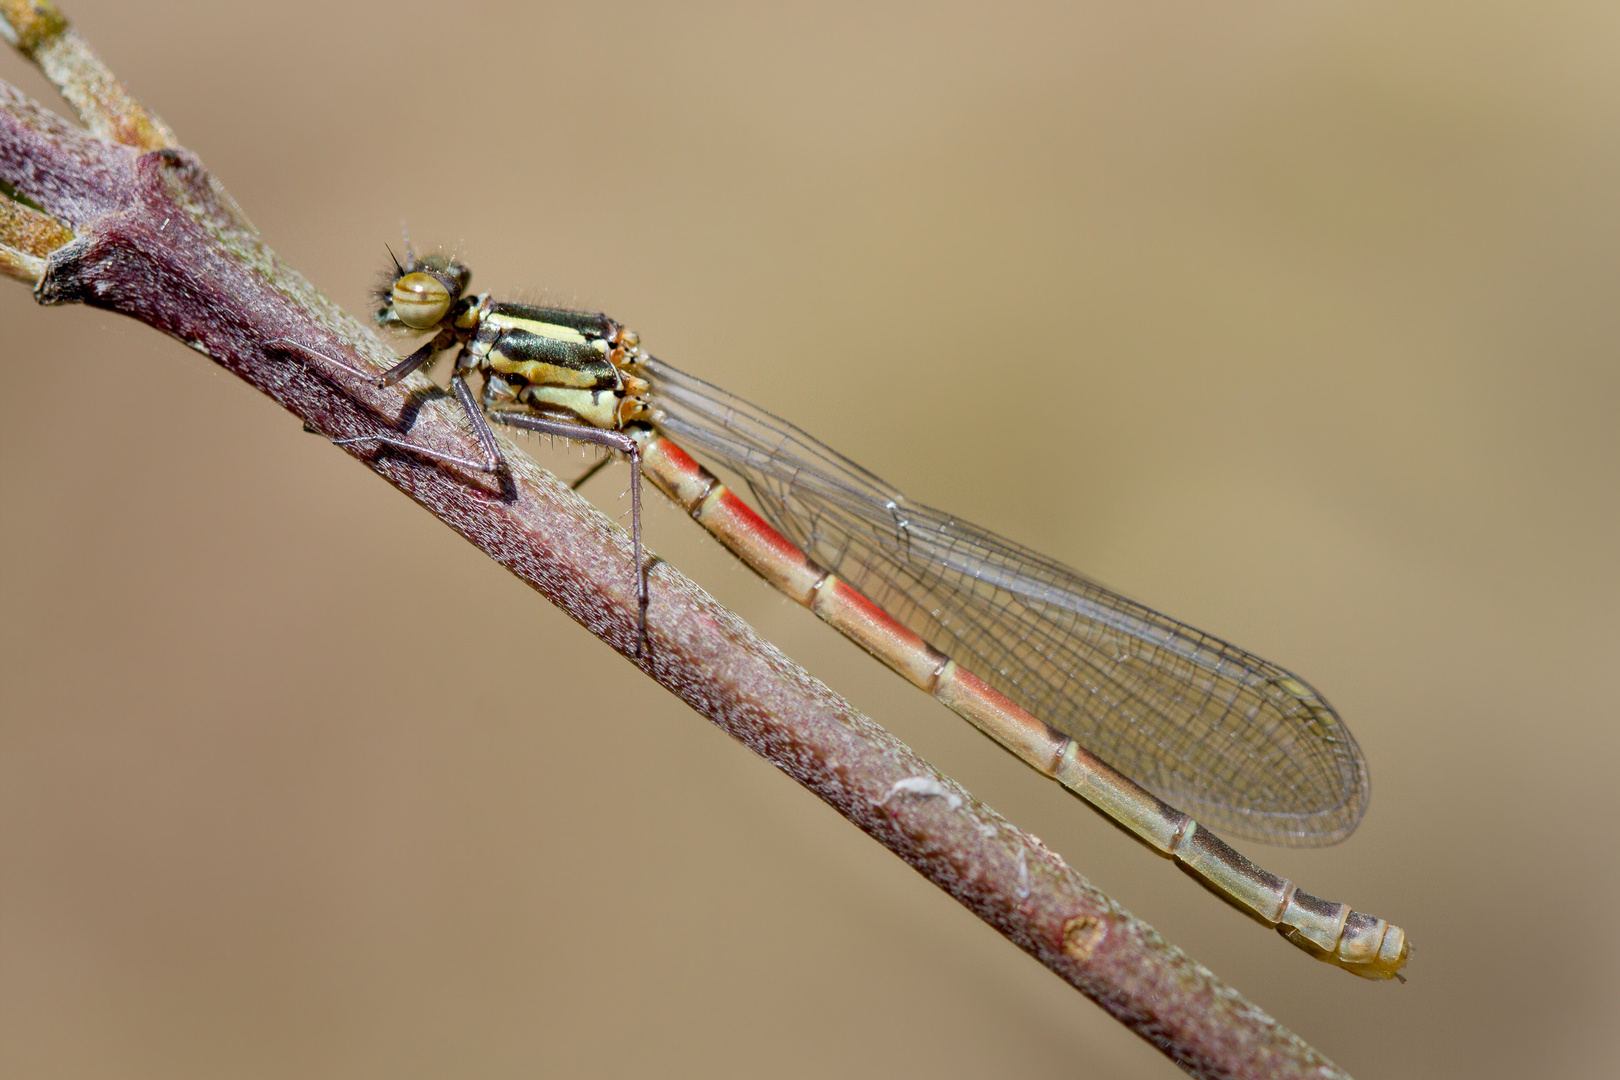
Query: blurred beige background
[1295, 320]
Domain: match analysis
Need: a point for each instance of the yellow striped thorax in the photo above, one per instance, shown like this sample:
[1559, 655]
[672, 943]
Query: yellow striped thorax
[553, 362]
[558, 362]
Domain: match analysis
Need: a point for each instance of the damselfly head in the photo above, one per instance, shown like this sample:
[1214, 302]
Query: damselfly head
[418, 294]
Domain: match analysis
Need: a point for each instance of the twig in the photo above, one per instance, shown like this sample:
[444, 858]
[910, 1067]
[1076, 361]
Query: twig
[124, 219]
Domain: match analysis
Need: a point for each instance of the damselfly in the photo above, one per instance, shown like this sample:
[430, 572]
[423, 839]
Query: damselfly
[1136, 710]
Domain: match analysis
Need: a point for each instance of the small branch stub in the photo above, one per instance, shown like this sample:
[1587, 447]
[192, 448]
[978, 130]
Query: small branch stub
[1081, 935]
[27, 236]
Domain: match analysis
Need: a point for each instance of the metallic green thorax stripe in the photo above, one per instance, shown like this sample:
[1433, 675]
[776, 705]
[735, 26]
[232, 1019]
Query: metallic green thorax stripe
[588, 324]
[522, 342]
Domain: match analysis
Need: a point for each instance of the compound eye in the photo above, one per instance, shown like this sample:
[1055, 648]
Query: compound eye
[420, 300]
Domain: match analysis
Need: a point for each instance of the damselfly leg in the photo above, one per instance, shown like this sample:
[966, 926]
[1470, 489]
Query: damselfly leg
[613, 440]
[492, 458]
[486, 439]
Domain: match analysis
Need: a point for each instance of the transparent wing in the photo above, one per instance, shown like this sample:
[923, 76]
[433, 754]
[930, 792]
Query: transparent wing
[1232, 739]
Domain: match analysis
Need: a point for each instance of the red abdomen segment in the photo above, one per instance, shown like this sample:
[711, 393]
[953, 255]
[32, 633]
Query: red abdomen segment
[1362, 944]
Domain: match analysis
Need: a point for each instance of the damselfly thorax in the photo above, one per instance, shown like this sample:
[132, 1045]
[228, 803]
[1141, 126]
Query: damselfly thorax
[557, 363]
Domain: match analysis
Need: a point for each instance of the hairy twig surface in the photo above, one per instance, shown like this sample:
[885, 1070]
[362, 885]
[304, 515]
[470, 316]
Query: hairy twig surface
[120, 217]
